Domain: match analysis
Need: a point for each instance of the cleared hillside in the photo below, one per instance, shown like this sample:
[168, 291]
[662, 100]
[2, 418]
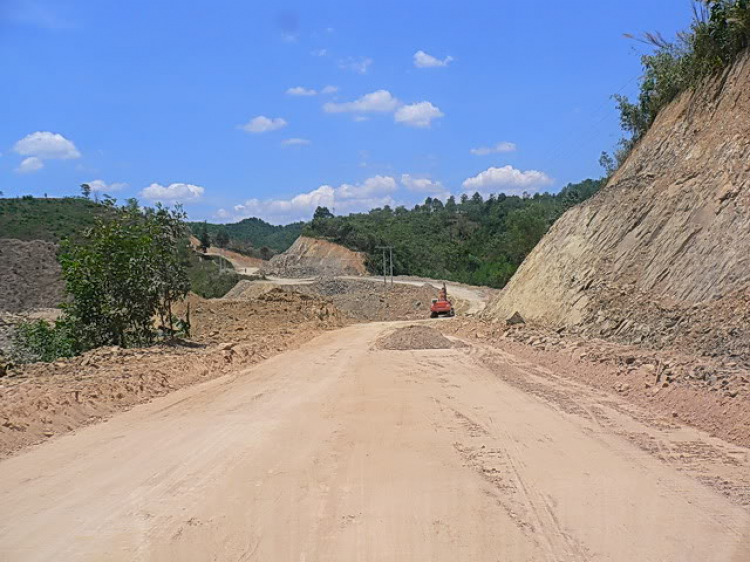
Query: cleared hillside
[662, 254]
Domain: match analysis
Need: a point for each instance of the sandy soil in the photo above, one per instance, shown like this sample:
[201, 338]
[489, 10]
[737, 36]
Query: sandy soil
[341, 451]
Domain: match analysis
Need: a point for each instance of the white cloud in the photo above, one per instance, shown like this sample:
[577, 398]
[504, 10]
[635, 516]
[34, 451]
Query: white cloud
[319, 52]
[371, 187]
[173, 193]
[295, 142]
[418, 114]
[380, 101]
[102, 186]
[423, 60]
[424, 185]
[373, 192]
[359, 65]
[329, 90]
[300, 91]
[223, 214]
[47, 146]
[507, 180]
[287, 210]
[499, 147]
[29, 165]
[263, 124]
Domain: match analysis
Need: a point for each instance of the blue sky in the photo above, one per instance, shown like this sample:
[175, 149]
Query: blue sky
[239, 108]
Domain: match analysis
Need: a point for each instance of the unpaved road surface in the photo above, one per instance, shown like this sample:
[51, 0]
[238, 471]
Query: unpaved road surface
[340, 451]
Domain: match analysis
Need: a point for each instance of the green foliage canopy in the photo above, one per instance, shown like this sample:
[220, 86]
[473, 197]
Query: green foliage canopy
[479, 241]
[126, 272]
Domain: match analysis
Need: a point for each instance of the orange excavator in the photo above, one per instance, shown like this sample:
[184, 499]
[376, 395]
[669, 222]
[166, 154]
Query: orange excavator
[442, 305]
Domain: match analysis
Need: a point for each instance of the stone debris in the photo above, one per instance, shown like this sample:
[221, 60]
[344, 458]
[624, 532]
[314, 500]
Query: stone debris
[415, 337]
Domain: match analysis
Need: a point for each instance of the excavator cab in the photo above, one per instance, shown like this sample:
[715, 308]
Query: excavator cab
[442, 306]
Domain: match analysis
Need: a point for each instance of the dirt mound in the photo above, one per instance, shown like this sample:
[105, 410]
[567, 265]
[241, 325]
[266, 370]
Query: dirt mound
[216, 320]
[415, 337]
[29, 275]
[369, 301]
[671, 231]
[247, 290]
[309, 257]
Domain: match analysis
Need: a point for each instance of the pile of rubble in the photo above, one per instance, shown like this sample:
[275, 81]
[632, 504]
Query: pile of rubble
[369, 301]
[415, 337]
[719, 327]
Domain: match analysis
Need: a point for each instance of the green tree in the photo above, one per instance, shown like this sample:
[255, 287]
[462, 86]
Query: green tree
[86, 190]
[125, 272]
[222, 239]
[204, 239]
[322, 213]
[266, 253]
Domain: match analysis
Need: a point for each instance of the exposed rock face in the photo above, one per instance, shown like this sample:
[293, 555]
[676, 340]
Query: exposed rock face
[29, 275]
[669, 233]
[309, 257]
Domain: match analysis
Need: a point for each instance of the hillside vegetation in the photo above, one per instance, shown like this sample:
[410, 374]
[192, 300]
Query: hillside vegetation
[52, 220]
[472, 240]
[249, 236]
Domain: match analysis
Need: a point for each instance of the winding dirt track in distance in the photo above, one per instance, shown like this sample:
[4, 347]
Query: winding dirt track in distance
[338, 451]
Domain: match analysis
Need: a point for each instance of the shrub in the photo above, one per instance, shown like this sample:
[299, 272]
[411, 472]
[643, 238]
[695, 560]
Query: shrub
[43, 341]
[719, 33]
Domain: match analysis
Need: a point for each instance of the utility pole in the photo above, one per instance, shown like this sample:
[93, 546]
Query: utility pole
[385, 264]
[391, 251]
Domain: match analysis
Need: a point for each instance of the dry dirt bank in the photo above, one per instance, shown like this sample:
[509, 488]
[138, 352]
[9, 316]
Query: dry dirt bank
[342, 451]
[46, 400]
[29, 275]
[710, 394]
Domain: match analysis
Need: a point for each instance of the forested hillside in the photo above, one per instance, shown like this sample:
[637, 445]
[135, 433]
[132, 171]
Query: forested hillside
[253, 232]
[53, 219]
[473, 240]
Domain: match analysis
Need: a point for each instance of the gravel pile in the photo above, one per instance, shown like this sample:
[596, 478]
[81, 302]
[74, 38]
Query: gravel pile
[415, 337]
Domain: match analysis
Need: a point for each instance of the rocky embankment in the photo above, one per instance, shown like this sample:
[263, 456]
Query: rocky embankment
[661, 256]
[309, 257]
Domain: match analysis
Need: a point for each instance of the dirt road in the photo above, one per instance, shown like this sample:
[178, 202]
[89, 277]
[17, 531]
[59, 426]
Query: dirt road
[339, 451]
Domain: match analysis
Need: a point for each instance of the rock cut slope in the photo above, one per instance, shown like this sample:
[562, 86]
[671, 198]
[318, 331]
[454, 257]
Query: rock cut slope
[669, 234]
[309, 257]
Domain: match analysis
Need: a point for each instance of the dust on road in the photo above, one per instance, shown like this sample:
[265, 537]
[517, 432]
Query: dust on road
[341, 451]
